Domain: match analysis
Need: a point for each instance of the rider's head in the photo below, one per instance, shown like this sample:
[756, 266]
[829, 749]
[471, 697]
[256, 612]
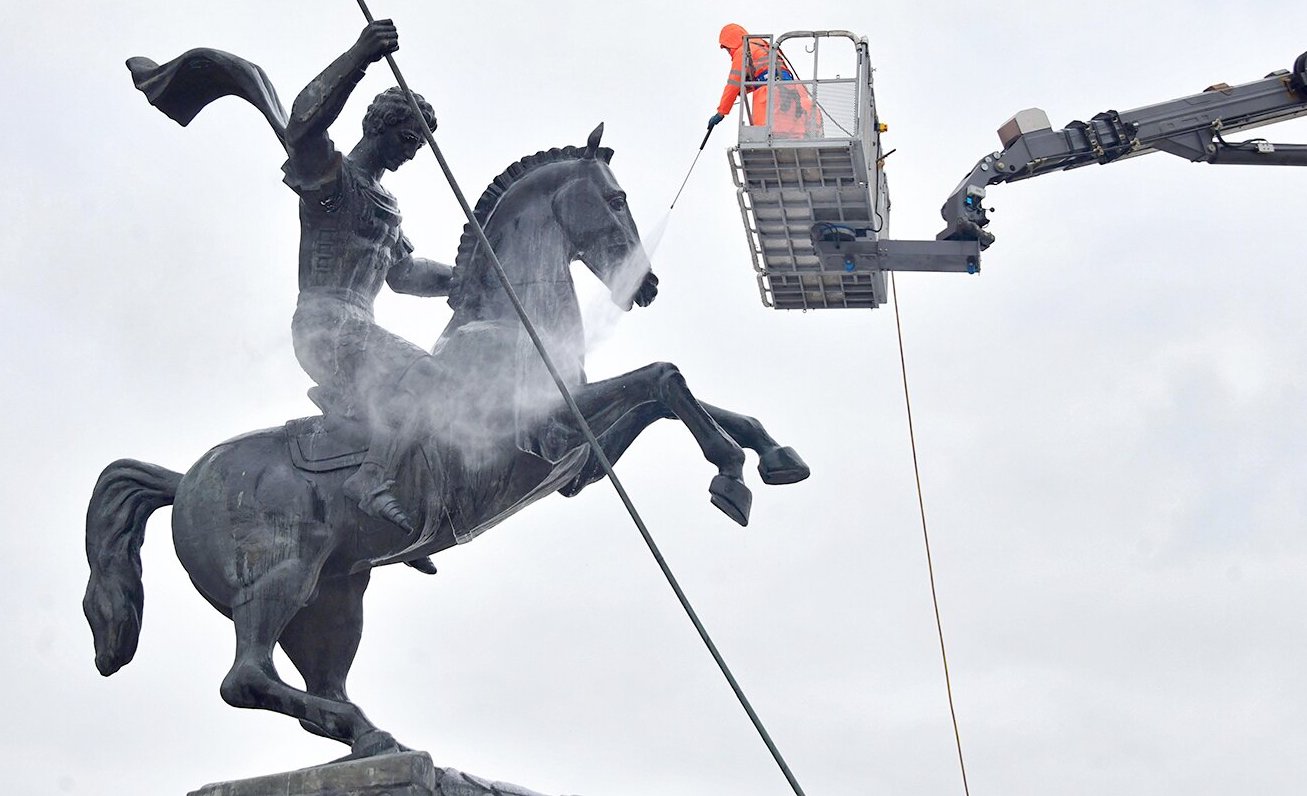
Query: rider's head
[391, 119]
[391, 107]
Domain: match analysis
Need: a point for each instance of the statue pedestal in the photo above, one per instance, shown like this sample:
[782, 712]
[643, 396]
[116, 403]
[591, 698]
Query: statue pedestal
[404, 774]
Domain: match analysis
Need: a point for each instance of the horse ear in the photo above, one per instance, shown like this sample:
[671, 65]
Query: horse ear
[592, 143]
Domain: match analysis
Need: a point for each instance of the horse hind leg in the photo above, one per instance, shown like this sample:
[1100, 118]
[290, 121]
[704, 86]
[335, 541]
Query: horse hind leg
[262, 612]
[321, 641]
[777, 464]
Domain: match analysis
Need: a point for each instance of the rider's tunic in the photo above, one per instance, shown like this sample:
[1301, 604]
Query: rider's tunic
[349, 239]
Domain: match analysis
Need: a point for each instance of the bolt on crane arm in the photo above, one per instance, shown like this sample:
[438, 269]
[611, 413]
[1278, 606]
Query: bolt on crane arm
[1191, 127]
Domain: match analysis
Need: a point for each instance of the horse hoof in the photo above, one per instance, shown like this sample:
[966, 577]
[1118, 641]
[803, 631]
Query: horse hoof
[732, 497]
[782, 466]
[373, 743]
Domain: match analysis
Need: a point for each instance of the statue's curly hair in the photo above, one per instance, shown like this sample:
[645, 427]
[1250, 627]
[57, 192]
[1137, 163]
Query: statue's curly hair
[391, 107]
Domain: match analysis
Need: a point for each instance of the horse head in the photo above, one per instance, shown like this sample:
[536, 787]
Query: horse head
[562, 205]
[592, 211]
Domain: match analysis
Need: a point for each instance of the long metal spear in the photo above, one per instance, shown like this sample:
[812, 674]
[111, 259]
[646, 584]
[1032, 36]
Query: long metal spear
[580, 417]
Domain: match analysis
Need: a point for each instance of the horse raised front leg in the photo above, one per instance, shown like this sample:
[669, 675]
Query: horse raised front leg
[619, 409]
[262, 611]
[727, 489]
[777, 464]
[615, 430]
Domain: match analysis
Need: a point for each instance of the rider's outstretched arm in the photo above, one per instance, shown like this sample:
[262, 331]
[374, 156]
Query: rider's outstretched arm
[417, 276]
[322, 100]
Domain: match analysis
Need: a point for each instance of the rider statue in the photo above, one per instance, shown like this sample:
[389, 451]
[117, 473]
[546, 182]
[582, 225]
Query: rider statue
[350, 243]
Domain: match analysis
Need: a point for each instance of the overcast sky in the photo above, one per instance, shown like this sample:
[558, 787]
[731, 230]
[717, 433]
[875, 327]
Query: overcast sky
[1110, 417]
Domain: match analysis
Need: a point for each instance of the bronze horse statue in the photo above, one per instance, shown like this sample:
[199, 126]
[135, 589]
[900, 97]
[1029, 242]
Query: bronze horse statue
[260, 522]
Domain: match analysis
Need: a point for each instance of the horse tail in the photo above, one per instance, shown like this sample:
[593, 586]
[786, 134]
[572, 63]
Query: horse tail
[125, 496]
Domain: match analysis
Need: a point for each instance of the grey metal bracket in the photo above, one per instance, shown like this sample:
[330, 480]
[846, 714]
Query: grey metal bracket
[853, 250]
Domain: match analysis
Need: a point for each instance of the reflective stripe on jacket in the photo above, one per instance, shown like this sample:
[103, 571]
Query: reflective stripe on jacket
[731, 39]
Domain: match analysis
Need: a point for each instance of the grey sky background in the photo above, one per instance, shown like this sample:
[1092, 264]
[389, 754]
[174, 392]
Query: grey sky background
[1110, 417]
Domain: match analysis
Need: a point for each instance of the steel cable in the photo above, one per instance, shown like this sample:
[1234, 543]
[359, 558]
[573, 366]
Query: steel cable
[925, 534]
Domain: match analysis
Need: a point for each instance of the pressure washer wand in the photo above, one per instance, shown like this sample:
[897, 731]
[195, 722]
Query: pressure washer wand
[691, 171]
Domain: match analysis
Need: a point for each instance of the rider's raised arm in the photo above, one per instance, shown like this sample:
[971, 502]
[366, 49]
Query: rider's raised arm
[321, 101]
[418, 276]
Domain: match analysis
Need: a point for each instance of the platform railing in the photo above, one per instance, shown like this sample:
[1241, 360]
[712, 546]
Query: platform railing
[819, 104]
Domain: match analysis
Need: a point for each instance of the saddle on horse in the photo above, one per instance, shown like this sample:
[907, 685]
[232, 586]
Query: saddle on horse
[334, 441]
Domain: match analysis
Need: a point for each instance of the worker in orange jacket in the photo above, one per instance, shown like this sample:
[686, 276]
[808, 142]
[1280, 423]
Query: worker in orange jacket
[793, 116]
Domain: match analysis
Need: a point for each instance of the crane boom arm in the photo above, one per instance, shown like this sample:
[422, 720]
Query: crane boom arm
[1191, 127]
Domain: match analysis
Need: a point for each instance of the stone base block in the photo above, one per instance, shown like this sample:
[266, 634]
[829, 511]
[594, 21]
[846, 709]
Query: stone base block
[404, 774]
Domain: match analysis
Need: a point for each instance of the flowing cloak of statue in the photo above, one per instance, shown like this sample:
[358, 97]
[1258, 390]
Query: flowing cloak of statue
[182, 87]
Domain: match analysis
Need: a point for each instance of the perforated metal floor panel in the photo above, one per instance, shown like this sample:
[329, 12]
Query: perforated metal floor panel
[783, 190]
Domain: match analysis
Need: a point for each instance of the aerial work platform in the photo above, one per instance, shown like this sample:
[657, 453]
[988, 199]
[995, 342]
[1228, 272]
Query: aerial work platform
[809, 181]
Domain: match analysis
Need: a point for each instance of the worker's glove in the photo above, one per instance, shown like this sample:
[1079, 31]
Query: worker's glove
[715, 120]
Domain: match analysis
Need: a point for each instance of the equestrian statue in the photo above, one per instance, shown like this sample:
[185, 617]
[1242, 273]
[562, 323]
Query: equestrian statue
[414, 451]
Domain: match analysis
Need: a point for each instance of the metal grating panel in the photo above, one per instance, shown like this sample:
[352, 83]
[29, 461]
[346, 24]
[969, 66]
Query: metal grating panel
[783, 191]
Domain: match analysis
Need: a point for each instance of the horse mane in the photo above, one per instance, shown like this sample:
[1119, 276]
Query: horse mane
[468, 242]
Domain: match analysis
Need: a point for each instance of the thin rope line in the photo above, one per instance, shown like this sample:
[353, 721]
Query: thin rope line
[925, 535]
[581, 421]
